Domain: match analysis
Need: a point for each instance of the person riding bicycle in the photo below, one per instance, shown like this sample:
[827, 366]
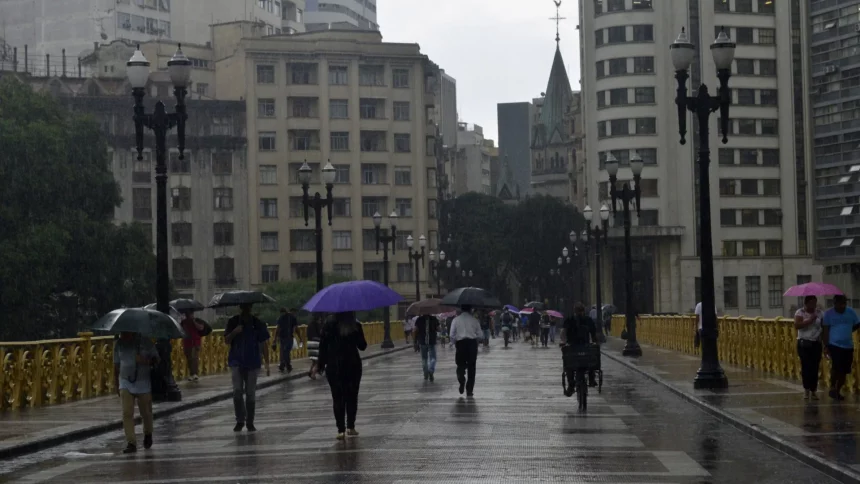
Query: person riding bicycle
[580, 330]
[507, 322]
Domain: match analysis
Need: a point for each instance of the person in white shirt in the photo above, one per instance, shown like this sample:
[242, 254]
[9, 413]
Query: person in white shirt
[465, 334]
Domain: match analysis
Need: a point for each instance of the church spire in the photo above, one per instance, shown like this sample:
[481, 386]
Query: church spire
[558, 18]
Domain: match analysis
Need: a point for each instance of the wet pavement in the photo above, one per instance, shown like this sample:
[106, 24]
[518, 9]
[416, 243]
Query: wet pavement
[518, 428]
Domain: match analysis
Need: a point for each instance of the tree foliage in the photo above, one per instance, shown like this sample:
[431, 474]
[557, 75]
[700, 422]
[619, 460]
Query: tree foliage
[63, 262]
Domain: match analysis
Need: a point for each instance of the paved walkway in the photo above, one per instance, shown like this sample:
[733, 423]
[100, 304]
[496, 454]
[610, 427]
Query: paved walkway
[517, 428]
[764, 406]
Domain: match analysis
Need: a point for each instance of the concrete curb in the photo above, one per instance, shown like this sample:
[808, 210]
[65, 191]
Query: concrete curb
[53, 441]
[803, 454]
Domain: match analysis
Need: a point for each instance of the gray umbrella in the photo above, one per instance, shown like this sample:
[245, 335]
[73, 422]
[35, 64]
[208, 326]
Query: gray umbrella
[146, 322]
[471, 296]
[173, 312]
[238, 298]
[185, 305]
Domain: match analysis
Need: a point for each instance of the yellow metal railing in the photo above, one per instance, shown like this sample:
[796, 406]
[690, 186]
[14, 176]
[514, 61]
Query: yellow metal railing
[38, 373]
[765, 344]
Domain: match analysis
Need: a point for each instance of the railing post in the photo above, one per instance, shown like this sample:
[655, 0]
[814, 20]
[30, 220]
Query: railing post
[64, 63]
[86, 364]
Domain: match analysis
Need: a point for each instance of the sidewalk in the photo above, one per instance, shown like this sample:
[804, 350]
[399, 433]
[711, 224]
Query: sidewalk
[821, 433]
[30, 430]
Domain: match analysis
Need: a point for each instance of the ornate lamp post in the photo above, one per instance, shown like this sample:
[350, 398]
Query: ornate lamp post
[317, 203]
[597, 233]
[386, 238]
[416, 257]
[434, 268]
[710, 374]
[565, 271]
[628, 195]
[160, 122]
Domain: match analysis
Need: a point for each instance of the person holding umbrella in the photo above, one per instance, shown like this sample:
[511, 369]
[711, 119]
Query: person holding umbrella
[247, 336]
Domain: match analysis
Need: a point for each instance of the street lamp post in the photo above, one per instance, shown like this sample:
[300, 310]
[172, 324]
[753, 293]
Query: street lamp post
[565, 269]
[710, 374]
[160, 122]
[628, 195]
[416, 257]
[597, 233]
[385, 237]
[317, 203]
[434, 268]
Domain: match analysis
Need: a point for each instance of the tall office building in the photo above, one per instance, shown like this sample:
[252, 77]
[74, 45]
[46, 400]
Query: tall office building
[758, 180]
[835, 106]
[326, 14]
[515, 127]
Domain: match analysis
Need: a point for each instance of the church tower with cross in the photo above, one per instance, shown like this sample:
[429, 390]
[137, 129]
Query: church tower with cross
[552, 140]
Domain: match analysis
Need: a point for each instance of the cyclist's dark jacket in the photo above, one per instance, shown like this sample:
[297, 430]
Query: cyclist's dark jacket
[580, 330]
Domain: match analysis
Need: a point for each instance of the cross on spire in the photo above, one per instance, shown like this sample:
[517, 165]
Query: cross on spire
[558, 18]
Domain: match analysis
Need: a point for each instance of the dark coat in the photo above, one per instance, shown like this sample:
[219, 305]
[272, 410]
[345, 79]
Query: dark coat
[421, 336]
[339, 353]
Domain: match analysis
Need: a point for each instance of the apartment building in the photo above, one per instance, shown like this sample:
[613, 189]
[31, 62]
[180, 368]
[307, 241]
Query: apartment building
[471, 167]
[759, 179]
[341, 14]
[348, 98]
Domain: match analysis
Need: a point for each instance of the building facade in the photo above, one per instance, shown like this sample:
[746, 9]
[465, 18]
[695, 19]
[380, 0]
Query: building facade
[515, 128]
[340, 14]
[759, 180]
[348, 98]
[471, 166]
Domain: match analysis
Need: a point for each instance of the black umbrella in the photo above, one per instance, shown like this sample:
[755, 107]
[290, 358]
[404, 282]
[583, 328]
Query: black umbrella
[238, 298]
[471, 296]
[185, 305]
[147, 322]
[535, 305]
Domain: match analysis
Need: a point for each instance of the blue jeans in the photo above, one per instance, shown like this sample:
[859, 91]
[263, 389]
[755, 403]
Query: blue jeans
[428, 358]
[552, 333]
[486, 336]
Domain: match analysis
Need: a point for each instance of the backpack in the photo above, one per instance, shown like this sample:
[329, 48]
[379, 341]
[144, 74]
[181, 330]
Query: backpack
[506, 319]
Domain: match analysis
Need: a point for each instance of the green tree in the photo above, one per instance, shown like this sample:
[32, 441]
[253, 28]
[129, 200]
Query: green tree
[63, 262]
[292, 294]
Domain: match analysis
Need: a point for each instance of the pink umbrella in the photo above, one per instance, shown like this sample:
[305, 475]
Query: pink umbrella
[813, 289]
[527, 311]
[555, 314]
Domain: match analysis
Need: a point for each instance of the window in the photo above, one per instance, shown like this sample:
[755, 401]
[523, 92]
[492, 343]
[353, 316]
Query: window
[646, 125]
[202, 88]
[180, 166]
[601, 99]
[765, 6]
[223, 233]
[601, 129]
[402, 175]
[743, 6]
[269, 273]
[619, 127]
[598, 37]
[302, 73]
[743, 35]
[643, 33]
[371, 108]
[432, 212]
[371, 75]
[343, 270]
[373, 271]
[302, 107]
[400, 78]
[746, 97]
[403, 206]
[766, 36]
[222, 163]
[730, 248]
[746, 126]
[750, 248]
[598, 7]
[727, 217]
[402, 143]
[400, 241]
[772, 248]
[726, 156]
[772, 217]
[373, 174]
[643, 65]
[617, 34]
[721, 5]
[769, 126]
[342, 207]
[223, 198]
[617, 67]
[768, 97]
[753, 284]
[338, 75]
[371, 205]
[302, 240]
[303, 270]
[770, 157]
[644, 95]
[268, 174]
[269, 207]
[181, 234]
[767, 67]
[618, 96]
[749, 217]
[642, 4]
[295, 207]
[269, 241]
[338, 109]
[727, 187]
[730, 292]
[648, 218]
[266, 108]
[265, 74]
[368, 239]
[183, 272]
[341, 240]
[770, 188]
[774, 291]
[745, 67]
[141, 169]
[648, 187]
[401, 111]
[431, 177]
[749, 157]
[405, 272]
[615, 5]
[266, 141]
[224, 271]
[373, 141]
[749, 187]
[304, 139]
[341, 173]
[180, 198]
[648, 155]
[340, 140]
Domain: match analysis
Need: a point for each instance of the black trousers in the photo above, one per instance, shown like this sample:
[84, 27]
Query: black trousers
[810, 359]
[466, 359]
[544, 336]
[344, 394]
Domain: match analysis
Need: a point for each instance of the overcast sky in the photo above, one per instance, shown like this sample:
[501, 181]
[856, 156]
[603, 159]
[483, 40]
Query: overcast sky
[498, 50]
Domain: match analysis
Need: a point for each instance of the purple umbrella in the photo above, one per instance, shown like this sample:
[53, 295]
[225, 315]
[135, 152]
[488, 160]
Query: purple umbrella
[352, 296]
[812, 289]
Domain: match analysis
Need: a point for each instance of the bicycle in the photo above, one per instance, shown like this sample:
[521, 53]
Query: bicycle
[581, 359]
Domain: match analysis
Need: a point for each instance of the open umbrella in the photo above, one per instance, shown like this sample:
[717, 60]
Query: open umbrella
[813, 289]
[147, 322]
[555, 314]
[238, 298]
[185, 305]
[535, 305]
[352, 296]
[511, 308]
[527, 310]
[427, 307]
[173, 312]
[471, 296]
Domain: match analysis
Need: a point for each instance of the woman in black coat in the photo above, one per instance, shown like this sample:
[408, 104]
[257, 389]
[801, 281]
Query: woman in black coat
[342, 339]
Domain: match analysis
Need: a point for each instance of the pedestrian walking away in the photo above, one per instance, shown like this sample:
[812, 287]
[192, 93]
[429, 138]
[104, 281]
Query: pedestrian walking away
[465, 333]
[191, 344]
[314, 333]
[808, 321]
[285, 331]
[545, 325]
[507, 322]
[247, 337]
[408, 326]
[342, 339]
[838, 326]
[534, 327]
[133, 356]
[579, 330]
[426, 330]
[486, 321]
